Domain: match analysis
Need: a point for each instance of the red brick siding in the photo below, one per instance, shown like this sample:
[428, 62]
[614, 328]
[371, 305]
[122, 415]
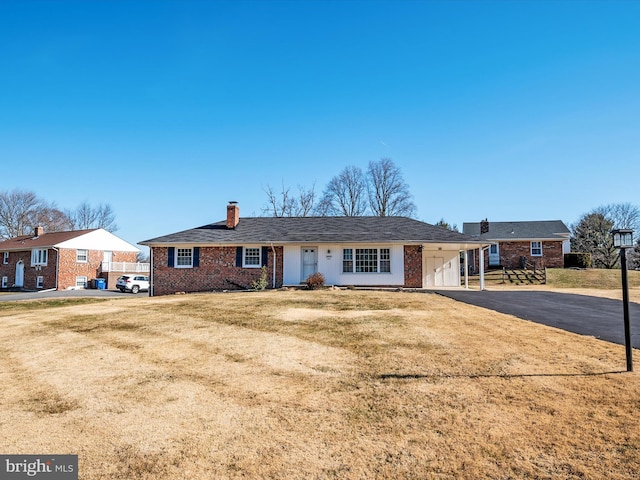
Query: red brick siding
[412, 266]
[511, 252]
[69, 268]
[31, 275]
[217, 271]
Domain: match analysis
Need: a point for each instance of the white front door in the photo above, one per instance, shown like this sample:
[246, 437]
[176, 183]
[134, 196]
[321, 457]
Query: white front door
[494, 255]
[19, 274]
[309, 262]
[106, 261]
[435, 272]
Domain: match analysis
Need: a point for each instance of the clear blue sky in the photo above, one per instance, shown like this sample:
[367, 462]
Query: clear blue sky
[523, 110]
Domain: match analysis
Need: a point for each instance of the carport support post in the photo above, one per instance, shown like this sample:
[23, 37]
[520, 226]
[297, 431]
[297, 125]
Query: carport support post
[466, 269]
[481, 268]
[625, 308]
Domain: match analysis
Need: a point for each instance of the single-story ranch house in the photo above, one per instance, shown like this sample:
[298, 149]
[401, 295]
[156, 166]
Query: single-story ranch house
[348, 251]
[513, 244]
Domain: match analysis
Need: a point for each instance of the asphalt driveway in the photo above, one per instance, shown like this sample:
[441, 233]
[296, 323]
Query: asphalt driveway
[597, 317]
[12, 297]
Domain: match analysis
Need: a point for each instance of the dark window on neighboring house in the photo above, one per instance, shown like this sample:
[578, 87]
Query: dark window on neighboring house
[536, 249]
[39, 257]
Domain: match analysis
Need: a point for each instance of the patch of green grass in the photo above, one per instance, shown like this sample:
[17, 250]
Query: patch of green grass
[89, 323]
[589, 278]
[26, 305]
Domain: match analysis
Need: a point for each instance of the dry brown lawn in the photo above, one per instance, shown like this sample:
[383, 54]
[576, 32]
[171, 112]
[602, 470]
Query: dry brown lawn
[325, 384]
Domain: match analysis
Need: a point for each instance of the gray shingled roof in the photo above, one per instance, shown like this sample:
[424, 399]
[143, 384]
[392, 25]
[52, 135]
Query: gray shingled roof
[533, 230]
[260, 230]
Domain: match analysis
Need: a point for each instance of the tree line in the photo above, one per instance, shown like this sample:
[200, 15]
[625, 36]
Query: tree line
[21, 211]
[380, 190]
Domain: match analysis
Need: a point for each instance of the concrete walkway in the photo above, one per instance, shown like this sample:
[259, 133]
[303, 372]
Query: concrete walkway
[597, 317]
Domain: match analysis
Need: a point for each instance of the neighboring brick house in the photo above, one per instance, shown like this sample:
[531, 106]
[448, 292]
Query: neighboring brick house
[358, 251]
[61, 260]
[542, 243]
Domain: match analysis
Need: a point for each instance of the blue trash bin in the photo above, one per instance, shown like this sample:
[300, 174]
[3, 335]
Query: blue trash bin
[101, 284]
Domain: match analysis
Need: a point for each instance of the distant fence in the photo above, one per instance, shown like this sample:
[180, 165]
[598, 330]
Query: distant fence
[125, 267]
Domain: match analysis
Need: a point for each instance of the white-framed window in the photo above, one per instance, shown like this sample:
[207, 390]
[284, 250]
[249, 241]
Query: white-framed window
[184, 258]
[251, 257]
[39, 256]
[366, 260]
[82, 256]
[347, 260]
[5, 282]
[81, 281]
[536, 249]
[39, 281]
[385, 260]
[5, 257]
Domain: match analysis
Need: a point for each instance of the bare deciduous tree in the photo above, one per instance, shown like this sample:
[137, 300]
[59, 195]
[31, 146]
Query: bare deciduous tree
[306, 201]
[388, 193]
[284, 204]
[85, 216]
[53, 219]
[345, 194]
[21, 211]
[623, 215]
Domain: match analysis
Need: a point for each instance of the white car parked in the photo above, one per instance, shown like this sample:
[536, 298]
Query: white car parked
[133, 283]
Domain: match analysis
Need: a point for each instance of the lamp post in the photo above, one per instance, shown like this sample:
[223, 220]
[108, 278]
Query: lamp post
[623, 239]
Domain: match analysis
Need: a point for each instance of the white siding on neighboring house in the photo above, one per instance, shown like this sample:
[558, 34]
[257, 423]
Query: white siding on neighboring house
[99, 240]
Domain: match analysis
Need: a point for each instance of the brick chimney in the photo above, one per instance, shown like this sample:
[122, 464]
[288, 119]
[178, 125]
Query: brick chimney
[233, 214]
[39, 230]
[484, 226]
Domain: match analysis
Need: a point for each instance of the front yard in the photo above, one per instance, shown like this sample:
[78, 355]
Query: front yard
[323, 384]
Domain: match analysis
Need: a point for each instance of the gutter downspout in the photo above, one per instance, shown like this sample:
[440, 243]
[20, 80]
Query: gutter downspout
[274, 265]
[57, 265]
[151, 271]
